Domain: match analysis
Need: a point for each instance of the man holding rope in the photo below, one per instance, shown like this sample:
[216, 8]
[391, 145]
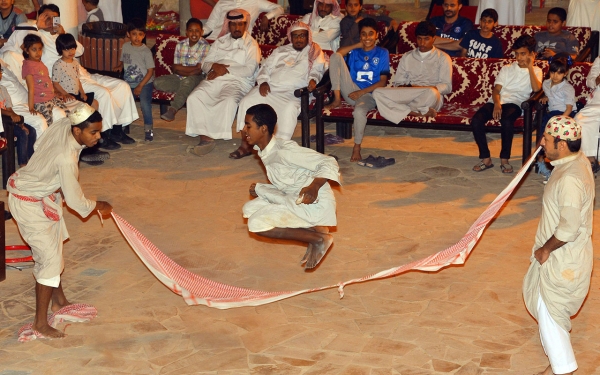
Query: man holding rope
[558, 278]
[36, 204]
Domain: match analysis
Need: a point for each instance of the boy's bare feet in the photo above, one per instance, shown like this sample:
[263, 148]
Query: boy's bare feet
[356, 153]
[47, 331]
[547, 371]
[318, 251]
[319, 229]
[334, 104]
[430, 113]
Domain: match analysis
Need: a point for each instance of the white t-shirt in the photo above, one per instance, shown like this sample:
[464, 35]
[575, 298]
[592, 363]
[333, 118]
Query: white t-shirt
[516, 84]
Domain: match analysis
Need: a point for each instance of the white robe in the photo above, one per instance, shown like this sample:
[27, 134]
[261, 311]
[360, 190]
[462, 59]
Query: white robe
[211, 107]
[325, 31]
[589, 116]
[254, 7]
[53, 166]
[285, 71]
[584, 13]
[289, 169]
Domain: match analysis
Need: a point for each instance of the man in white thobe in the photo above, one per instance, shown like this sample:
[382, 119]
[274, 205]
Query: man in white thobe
[298, 204]
[254, 8]
[589, 117]
[584, 13]
[230, 67]
[116, 102]
[423, 76]
[293, 66]
[558, 278]
[35, 200]
[324, 22]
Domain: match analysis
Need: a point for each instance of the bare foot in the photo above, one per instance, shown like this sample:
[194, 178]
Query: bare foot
[48, 331]
[318, 251]
[334, 104]
[430, 113]
[319, 229]
[356, 153]
[547, 371]
[59, 305]
[308, 251]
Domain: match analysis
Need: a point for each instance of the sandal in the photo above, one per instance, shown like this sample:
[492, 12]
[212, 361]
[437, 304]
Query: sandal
[506, 168]
[237, 154]
[482, 166]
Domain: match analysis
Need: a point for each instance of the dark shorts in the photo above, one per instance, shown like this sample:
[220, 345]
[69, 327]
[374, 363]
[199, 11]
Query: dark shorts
[90, 97]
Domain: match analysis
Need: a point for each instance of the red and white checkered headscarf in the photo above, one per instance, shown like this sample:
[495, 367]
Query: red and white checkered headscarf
[315, 13]
[235, 15]
[315, 50]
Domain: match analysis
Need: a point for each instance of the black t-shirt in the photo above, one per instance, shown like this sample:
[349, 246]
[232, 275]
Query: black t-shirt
[480, 47]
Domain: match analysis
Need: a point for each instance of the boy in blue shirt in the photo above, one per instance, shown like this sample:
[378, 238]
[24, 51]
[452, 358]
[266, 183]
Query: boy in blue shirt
[138, 65]
[368, 68]
[483, 43]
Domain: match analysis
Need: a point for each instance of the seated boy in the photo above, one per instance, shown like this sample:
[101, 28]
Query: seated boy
[368, 69]
[555, 39]
[513, 85]
[349, 33]
[298, 204]
[482, 43]
[187, 66]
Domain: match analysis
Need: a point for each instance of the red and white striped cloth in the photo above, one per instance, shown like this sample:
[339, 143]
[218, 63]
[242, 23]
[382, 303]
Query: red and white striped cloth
[198, 290]
[78, 312]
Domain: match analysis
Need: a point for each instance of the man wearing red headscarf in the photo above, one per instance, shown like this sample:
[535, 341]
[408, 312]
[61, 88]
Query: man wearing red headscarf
[293, 66]
[324, 22]
[230, 66]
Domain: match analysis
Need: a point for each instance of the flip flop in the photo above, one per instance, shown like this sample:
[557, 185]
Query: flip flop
[238, 155]
[380, 162]
[368, 160]
[202, 148]
[482, 167]
[506, 168]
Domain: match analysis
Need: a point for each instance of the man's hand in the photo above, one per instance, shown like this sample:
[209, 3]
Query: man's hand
[497, 112]
[104, 207]
[217, 70]
[264, 89]
[312, 85]
[68, 97]
[138, 90]
[356, 94]
[309, 194]
[548, 53]
[264, 23]
[118, 68]
[15, 117]
[61, 30]
[253, 191]
[541, 255]
[544, 100]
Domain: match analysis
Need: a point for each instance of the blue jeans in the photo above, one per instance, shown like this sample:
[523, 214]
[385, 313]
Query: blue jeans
[146, 104]
[24, 144]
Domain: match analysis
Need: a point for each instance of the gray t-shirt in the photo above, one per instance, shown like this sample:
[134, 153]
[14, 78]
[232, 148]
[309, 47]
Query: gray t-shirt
[565, 42]
[8, 24]
[136, 62]
[67, 75]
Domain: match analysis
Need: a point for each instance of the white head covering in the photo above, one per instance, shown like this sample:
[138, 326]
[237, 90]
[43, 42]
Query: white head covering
[235, 15]
[81, 113]
[315, 49]
[315, 13]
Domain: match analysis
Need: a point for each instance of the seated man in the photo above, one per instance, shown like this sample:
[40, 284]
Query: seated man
[9, 20]
[290, 67]
[555, 39]
[368, 69]
[230, 68]
[214, 24]
[589, 117]
[298, 204]
[513, 86]
[324, 22]
[422, 77]
[187, 66]
[451, 26]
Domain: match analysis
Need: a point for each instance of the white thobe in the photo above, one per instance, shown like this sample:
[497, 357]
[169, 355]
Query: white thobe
[423, 70]
[19, 98]
[38, 210]
[254, 7]
[285, 70]
[212, 105]
[325, 30]
[589, 116]
[584, 13]
[289, 169]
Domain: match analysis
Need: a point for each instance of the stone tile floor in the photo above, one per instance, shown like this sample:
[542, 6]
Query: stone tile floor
[461, 320]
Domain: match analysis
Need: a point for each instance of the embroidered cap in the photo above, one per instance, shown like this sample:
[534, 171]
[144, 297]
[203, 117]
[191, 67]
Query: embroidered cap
[81, 113]
[564, 127]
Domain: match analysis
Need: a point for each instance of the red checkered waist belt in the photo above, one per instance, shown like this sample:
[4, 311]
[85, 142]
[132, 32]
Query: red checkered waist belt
[50, 204]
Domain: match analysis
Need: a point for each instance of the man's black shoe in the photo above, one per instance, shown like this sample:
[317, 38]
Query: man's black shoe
[7, 215]
[118, 135]
[107, 143]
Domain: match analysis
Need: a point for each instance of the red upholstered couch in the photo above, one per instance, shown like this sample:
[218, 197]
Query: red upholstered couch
[588, 39]
[472, 83]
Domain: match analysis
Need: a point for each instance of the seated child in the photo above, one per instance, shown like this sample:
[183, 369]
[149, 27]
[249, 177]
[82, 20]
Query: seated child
[41, 97]
[555, 39]
[349, 33]
[65, 72]
[24, 133]
[138, 66]
[368, 68]
[483, 43]
[187, 66]
[94, 14]
[513, 85]
[298, 203]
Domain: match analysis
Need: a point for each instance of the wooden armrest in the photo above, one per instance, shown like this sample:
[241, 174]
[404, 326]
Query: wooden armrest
[533, 99]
